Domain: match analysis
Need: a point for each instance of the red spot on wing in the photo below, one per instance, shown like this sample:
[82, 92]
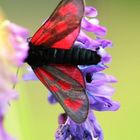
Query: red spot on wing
[53, 88]
[43, 75]
[64, 85]
[75, 105]
[61, 27]
[69, 8]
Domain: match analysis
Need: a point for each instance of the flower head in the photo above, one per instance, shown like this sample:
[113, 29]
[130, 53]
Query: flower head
[89, 130]
[13, 49]
[97, 83]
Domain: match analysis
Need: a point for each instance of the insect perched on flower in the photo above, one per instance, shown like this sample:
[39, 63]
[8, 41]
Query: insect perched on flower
[54, 59]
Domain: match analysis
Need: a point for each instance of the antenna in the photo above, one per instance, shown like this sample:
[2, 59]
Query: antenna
[14, 85]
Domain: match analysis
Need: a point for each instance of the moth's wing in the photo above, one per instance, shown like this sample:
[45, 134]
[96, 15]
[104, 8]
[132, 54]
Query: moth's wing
[67, 85]
[62, 27]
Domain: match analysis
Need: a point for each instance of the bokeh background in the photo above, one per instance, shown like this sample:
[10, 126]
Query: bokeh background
[32, 118]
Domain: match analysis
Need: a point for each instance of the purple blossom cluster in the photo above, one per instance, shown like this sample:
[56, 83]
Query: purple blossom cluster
[13, 50]
[98, 89]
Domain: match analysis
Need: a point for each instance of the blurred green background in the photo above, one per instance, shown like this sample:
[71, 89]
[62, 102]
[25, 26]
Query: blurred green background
[32, 118]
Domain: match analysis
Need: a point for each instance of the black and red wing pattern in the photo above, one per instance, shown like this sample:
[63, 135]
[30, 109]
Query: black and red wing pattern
[65, 82]
[67, 85]
[62, 27]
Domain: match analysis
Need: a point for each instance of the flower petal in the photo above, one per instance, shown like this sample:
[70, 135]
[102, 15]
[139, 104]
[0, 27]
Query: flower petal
[105, 43]
[92, 68]
[103, 104]
[103, 77]
[100, 90]
[90, 11]
[51, 98]
[90, 27]
[29, 76]
[106, 58]
[87, 41]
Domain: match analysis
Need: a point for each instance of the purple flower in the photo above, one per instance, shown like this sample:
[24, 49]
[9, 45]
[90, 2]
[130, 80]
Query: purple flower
[13, 50]
[97, 85]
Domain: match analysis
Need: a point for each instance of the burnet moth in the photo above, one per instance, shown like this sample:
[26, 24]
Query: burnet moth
[54, 60]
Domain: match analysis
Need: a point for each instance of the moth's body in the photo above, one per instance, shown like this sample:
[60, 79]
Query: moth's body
[40, 55]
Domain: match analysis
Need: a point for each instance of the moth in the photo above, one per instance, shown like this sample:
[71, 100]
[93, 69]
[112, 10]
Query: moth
[54, 58]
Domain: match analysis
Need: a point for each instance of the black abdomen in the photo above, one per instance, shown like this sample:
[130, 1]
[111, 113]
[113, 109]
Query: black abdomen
[39, 55]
